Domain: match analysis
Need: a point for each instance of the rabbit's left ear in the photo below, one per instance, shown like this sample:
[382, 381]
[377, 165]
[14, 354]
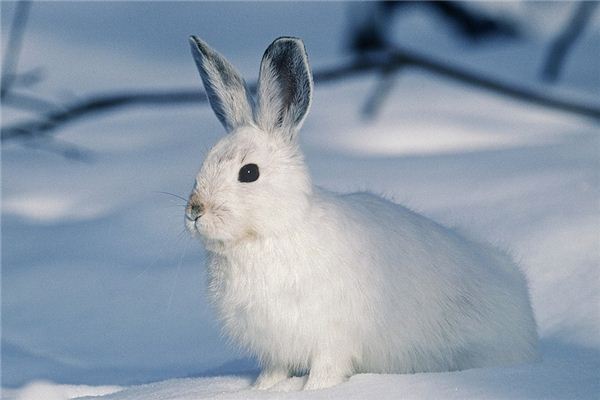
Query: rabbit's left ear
[284, 87]
[226, 90]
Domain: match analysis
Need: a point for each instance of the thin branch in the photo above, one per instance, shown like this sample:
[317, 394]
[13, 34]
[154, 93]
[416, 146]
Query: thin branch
[98, 104]
[13, 47]
[563, 43]
[473, 25]
[31, 103]
[377, 62]
[382, 89]
[63, 148]
[26, 79]
[518, 92]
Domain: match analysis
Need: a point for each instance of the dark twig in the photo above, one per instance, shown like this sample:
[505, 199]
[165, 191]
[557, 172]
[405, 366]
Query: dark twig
[98, 104]
[382, 89]
[13, 47]
[26, 79]
[560, 47]
[172, 194]
[475, 26]
[63, 148]
[27, 102]
[390, 59]
[498, 86]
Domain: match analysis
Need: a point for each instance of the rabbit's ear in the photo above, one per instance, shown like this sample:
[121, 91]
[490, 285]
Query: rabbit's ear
[284, 87]
[227, 92]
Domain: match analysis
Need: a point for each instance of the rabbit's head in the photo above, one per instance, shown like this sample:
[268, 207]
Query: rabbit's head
[253, 182]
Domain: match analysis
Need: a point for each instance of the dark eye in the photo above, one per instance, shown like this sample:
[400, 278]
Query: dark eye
[248, 173]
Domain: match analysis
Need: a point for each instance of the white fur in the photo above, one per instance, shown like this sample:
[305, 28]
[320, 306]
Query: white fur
[311, 281]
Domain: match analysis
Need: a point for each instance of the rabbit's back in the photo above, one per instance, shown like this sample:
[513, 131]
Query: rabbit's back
[449, 302]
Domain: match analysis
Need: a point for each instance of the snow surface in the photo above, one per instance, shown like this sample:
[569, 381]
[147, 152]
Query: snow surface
[102, 289]
[38, 390]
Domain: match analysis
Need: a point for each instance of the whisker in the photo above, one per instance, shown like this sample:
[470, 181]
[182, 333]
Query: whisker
[172, 194]
[177, 276]
[178, 238]
[175, 205]
[183, 234]
[221, 207]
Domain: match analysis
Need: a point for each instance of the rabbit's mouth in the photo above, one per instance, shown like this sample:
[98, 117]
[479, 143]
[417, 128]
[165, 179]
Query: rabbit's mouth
[211, 225]
[190, 225]
[200, 225]
[213, 231]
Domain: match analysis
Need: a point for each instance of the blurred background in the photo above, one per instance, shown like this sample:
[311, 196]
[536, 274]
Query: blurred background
[482, 115]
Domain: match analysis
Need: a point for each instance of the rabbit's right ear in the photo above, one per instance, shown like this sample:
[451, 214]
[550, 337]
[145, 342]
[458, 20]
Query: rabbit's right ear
[284, 87]
[227, 92]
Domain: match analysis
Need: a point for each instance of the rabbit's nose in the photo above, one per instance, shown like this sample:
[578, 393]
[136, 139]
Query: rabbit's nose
[195, 211]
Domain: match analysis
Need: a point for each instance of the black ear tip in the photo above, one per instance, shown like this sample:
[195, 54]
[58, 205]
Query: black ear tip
[199, 45]
[289, 38]
[288, 41]
[194, 43]
[288, 45]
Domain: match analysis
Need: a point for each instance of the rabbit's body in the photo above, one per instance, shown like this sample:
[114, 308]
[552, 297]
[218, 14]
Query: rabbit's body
[308, 280]
[378, 287]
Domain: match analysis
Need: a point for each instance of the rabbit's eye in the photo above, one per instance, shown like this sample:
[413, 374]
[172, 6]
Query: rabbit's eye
[248, 173]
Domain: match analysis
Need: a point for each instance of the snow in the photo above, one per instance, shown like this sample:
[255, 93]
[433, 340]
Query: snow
[37, 390]
[564, 374]
[102, 290]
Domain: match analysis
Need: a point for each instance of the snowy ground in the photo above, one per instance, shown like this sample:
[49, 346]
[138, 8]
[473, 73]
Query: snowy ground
[102, 289]
[567, 373]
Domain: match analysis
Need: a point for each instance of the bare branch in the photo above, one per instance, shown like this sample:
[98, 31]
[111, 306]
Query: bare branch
[63, 148]
[30, 103]
[383, 88]
[97, 104]
[497, 86]
[13, 48]
[27, 79]
[387, 60]
[559, 49]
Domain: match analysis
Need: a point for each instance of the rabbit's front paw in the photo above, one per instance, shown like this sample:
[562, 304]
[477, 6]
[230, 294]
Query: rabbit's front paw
[269, 377]
[326, 372]
[322, 382]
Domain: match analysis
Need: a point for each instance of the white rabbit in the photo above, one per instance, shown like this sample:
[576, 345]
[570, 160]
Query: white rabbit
[332, 285]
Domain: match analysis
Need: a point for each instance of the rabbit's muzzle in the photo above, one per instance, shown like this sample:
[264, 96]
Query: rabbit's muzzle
[194, 211]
